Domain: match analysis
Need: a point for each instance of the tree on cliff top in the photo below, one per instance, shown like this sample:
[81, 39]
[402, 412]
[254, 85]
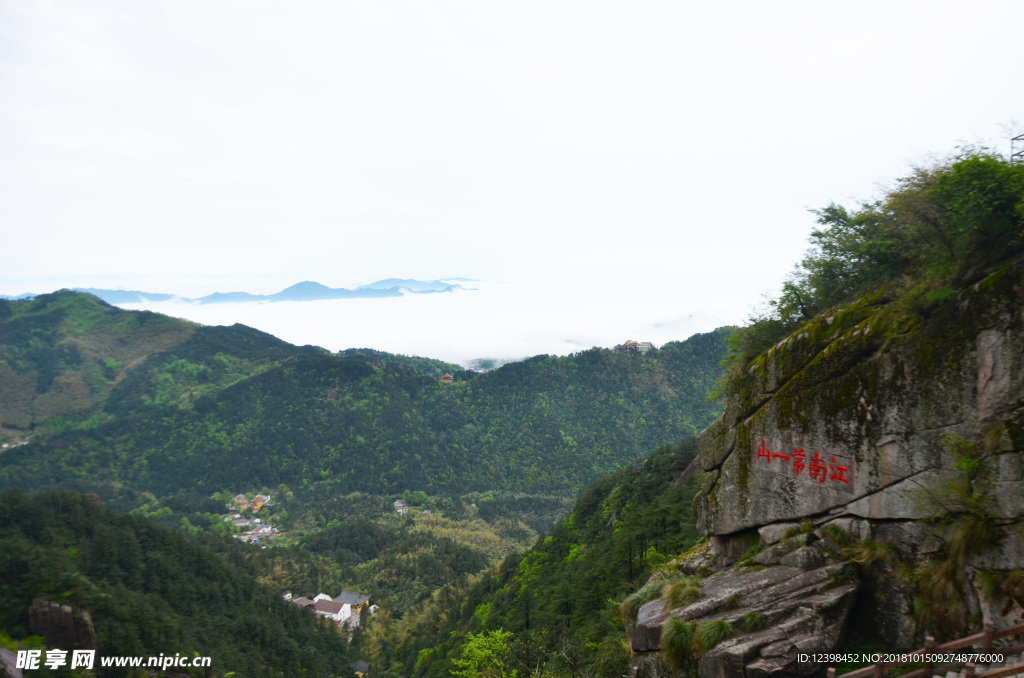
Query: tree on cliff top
[935, 230]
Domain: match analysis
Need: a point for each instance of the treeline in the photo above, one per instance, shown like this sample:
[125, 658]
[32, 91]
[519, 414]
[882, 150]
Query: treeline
[560, 599]
[547, 425]
[152, 590]
[62, 354]
[936, 231]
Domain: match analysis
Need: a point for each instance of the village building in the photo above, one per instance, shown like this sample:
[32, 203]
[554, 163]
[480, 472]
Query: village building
[336, 612]
[342, 612]
[637, 347]
[357, 600]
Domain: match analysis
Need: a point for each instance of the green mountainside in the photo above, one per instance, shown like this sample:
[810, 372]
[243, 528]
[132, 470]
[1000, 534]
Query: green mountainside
[151, 590]
[168, 419]
[209, 408]
[925, 251]
[559, 600]
[138, 407]
[62, 353]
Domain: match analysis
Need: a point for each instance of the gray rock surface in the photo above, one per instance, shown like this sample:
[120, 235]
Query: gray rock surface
[803, 599]
[61, 626]
[874, 409]
[847, 422]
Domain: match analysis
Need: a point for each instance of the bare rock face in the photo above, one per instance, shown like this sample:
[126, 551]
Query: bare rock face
[848, 419]
[800, 595]
[844, 417]
[63, 627]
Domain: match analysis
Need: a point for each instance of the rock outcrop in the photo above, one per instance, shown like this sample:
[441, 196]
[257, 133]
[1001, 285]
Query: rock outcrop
[854, 420]
[795, 598]
[62, 626]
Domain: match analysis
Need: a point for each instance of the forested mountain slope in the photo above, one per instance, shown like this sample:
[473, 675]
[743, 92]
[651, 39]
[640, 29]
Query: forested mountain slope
[878, 409]
[150, 590]
[862, 486]
[235, 408]
[558, 602]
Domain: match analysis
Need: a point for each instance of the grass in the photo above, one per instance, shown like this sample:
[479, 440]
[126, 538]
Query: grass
[682, 593]
[836, 534]
[629, 607]
[867, 553]
[684, 642]
[710, 633]
[751, 552]
[677, 641]
[750, 622]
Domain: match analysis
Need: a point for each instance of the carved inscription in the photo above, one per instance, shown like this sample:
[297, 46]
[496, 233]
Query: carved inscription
[801, 462]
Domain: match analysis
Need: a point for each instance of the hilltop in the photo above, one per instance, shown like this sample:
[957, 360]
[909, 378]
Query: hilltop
[112, 397]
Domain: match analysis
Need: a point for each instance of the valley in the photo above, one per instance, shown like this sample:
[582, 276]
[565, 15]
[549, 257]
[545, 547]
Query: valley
[843, 472]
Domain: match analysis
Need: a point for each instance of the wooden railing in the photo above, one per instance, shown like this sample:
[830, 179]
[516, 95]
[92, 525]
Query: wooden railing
[985, 639]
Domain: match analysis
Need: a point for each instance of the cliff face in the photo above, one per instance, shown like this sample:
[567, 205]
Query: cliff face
[855, 419]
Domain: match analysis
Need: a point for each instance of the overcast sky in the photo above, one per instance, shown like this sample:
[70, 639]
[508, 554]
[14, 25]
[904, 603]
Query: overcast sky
[611, 167]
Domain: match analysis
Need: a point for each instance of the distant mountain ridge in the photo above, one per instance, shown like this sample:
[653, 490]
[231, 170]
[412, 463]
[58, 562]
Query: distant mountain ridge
[306, 290]
[110, 397]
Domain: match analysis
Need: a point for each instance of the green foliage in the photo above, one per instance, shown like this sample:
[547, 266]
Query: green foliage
[867, 553]
[683, 643]
[961, 511]
[61, 353]
[935, 228]
[400, 564]
[752, 551]
[557, 599]
[677, 642]
[708, 634]
[485, 655]
[232, 407]
[751, 621]
[648, 592]
[682, 593]
[836, 534]
[150, 589]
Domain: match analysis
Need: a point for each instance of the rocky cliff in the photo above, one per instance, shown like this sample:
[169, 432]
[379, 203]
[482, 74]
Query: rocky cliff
[896, 427]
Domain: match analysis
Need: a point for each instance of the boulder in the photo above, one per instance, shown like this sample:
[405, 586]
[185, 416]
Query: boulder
[802, 605]
[61, 625]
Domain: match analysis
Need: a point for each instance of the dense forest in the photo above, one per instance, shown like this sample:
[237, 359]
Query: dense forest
[556, 607]
[167, 420]
[159, 415]
[150, 590]
[232, 407]
[555, 610]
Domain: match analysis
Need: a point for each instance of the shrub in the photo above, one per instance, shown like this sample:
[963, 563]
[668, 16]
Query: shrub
[677, 642]
[682, 593]
[751, 621]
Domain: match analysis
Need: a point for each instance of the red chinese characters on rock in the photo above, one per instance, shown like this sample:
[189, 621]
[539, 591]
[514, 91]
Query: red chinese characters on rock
[798, 460]
[818, 468]
[838, 472]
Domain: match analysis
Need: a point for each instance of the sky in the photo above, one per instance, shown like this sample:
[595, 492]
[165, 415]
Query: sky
[603, 171]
